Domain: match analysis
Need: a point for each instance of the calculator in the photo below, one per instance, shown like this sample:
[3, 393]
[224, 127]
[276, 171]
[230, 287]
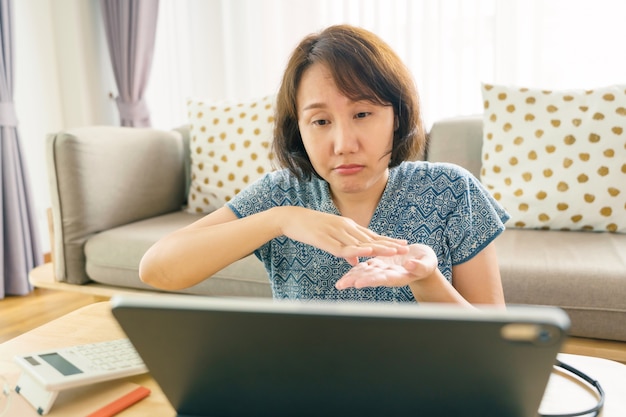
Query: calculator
[82, 364]
[46, 373]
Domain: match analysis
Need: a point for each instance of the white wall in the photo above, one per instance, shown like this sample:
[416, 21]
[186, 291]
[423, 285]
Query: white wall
[61, 81]
[237, 48]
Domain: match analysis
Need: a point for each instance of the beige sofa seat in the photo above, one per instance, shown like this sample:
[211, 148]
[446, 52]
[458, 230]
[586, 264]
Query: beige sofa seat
[582, 272]
[112, 256]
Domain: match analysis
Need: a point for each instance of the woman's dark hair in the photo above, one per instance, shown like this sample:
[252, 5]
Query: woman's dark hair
[363, 67]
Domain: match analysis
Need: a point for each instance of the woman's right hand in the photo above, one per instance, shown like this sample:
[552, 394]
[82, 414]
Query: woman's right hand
[337, 235]
[191, 254]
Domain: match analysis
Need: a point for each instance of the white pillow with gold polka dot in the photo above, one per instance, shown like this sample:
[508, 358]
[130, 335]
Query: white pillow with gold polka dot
[557, 159]
[230, 145]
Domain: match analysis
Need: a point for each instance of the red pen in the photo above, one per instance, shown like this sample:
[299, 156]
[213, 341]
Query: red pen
[121, 403]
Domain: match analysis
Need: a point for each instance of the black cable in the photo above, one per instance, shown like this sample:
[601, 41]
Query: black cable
[594, 383]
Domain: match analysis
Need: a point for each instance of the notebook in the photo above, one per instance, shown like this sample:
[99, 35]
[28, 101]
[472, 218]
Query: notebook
[223, 357]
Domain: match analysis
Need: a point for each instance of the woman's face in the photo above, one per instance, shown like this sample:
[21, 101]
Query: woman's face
[348, 142]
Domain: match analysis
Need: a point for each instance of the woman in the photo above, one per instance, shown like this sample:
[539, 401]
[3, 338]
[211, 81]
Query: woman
[348, 218]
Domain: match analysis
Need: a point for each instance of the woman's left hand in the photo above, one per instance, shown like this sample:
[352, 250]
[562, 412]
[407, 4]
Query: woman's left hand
[391, 271]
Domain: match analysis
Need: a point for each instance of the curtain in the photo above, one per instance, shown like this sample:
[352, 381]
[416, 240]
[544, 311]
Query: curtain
[237, 49]
[20, 249]
[130, 27]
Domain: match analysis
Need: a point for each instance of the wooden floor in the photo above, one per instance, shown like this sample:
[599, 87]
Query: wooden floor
[19, 314]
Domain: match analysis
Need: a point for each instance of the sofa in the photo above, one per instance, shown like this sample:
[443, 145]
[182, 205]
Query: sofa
[116, 190]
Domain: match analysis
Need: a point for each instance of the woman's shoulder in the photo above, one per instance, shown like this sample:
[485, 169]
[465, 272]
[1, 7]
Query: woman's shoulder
[279, 176]
[425, 170]
[281, 187]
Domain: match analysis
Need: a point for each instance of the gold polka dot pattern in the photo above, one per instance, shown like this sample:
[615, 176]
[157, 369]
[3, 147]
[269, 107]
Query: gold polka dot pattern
[230, 146]
[557, 159]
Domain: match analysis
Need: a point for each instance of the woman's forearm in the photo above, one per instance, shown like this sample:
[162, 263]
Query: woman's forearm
[436, 288]
[194, 253]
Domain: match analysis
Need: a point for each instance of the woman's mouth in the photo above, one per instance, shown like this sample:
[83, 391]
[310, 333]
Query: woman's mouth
[349, 169]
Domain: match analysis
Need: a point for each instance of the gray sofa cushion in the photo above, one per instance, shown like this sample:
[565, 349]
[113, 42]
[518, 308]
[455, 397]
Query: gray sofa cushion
[113, 258]
[582, 272]
[458, 140]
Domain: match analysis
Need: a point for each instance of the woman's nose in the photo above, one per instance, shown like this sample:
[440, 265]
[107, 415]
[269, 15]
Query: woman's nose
[345, 139]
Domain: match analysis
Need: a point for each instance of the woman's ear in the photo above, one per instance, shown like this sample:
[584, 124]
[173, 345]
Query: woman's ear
[396, 123]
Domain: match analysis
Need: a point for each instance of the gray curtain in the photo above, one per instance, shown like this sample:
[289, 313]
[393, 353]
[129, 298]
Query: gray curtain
[130, 27]
[20, 249]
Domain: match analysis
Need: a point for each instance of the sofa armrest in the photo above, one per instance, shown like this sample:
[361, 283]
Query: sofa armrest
[102, 177]
[458, 140]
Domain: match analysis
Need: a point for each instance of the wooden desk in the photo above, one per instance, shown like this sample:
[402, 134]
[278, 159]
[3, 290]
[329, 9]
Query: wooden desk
[90, 324]
[94, 323]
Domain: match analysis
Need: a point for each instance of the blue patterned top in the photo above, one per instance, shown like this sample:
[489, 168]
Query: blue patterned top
[437, 204]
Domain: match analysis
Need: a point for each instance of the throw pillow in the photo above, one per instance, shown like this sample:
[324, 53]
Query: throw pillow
[557, 159]
[230, 145]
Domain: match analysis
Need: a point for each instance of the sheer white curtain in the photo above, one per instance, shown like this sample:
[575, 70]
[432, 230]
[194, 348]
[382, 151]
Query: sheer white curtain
[237, 49]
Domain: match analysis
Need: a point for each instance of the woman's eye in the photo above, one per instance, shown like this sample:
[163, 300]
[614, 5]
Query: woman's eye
[362, 115]
[320, 122]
